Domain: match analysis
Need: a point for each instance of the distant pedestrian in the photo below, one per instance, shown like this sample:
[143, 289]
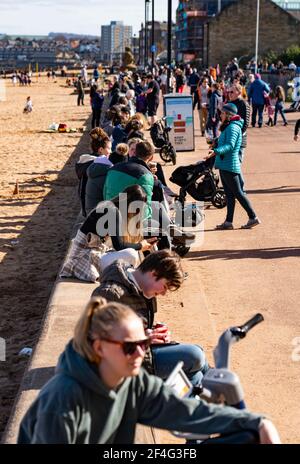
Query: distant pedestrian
[179, 81]
[84, 74]
[194, 80]
[28, 106]
[164, 82]
[256, 95]
[214, 110]
[96, 74]
[80, 91]
[279, 106]
[152, 97]
[270, 102]
[97, 100]
[201, 98]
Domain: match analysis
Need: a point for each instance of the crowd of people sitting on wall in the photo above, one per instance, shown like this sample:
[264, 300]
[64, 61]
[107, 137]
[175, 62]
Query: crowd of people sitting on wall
[110, 376]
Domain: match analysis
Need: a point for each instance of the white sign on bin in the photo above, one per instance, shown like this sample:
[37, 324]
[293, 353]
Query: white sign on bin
[180, 116]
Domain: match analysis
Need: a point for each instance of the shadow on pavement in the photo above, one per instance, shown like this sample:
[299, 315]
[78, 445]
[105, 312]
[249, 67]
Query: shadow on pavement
[264, 253]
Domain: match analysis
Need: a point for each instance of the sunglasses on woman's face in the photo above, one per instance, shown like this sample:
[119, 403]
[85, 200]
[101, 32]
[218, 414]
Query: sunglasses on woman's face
[129, 348]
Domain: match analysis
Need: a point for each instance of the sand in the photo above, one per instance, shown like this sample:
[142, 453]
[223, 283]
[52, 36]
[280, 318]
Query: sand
[34, 224]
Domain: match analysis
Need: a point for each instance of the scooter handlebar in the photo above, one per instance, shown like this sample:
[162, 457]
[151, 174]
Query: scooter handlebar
[242, 330]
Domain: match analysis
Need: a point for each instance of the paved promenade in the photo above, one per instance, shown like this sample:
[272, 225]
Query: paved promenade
[241, 272]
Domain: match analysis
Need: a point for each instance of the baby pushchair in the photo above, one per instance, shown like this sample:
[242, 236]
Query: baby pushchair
[160, 137]
[201, 182]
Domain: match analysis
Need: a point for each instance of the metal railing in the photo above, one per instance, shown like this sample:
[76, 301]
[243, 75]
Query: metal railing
[287, 5]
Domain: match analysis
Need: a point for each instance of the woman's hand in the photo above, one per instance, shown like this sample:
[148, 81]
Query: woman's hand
[211, 153]
[147, 244]
[268, 434]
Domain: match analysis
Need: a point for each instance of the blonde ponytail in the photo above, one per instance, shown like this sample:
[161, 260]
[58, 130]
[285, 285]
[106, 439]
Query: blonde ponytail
[98, 321]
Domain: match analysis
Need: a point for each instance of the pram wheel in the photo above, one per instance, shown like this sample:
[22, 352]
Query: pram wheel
[181, 250]
[219, 199]
[168, 154]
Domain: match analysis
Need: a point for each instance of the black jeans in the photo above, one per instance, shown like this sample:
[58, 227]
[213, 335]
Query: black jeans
[232, 186]
[260, 110]
[96, 118]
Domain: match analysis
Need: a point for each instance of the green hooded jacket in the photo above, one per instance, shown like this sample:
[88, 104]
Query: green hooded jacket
[76, 407]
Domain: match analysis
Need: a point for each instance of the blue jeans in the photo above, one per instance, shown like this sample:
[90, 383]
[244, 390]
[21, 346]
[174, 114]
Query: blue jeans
[260, 109]
[279, 108]
[165, 358]
[213, 126]
[232, 186]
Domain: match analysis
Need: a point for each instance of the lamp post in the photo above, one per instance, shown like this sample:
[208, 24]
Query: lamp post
[146, 32]
[153, 36]
[257, 35]
[169, 43]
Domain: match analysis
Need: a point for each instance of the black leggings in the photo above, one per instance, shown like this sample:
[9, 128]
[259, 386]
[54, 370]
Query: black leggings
[232, 186]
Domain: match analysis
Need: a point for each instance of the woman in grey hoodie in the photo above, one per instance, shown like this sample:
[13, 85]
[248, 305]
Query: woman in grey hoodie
[100, 391]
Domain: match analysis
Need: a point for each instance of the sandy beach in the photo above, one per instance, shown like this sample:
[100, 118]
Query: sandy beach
[34, 224]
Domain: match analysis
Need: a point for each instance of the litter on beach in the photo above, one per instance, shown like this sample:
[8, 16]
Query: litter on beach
[61, 129]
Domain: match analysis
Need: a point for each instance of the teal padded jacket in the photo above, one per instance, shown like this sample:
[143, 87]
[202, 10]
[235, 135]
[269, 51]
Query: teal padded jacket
[229, 145]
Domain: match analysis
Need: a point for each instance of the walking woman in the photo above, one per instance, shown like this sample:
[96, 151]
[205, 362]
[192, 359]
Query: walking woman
[100, 392]
[227, 161]
[279, 106]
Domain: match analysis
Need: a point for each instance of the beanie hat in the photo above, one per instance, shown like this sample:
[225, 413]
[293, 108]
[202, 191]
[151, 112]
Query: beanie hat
[257, 76]
[230, 108]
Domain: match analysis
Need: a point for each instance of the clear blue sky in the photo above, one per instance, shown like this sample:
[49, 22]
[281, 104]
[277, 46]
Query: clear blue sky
[80, 16]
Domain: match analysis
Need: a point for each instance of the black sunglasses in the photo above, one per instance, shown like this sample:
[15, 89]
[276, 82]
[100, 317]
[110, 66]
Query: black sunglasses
[129, 348]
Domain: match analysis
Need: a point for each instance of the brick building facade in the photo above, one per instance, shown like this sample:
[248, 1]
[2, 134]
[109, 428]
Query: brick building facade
[233, 32]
